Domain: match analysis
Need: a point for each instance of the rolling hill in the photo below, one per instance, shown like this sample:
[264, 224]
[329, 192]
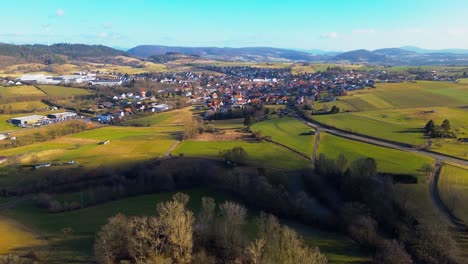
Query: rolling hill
[397, 56]
[11, 54]
[230, 54]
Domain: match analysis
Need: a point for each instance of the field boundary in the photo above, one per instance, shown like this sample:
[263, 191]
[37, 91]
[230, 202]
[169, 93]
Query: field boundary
[291, 149]
[400, 144]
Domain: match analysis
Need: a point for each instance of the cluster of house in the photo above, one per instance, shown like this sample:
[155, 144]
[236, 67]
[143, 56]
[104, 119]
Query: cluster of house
[237, 86]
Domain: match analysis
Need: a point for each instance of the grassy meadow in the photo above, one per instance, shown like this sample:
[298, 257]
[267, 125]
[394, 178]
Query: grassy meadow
[289, 132]
[19, 91]
[78, 247]
[259, 153]
[61, 91]
[388, 160]
[453, 189]
[17, 237]
[399, 111]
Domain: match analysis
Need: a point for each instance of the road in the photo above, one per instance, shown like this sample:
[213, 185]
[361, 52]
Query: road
[440, 158]
[458, 223]
[384, 143]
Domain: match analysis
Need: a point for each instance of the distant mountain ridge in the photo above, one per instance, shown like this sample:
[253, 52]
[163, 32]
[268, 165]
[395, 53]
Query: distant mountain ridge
[398, 56]
[420, 50]
[230, 54]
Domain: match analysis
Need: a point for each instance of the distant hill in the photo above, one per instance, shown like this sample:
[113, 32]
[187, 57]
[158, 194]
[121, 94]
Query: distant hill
[54, 54]
[398, 56]
[422, 51]
[394, 52]
[361, 55]
[229, 54]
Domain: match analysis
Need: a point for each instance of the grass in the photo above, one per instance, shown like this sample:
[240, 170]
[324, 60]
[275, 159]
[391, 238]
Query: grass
[86, 222]
[151, 120]
[259, 153]
[404, 125]
[16, 237]
[453, 188]
[388, 160]
[289, 132]
[127, 145]
[26, 106]
[61, 91]
[20, 91]
[411, 95]
[373, 127]
[171, 118]
[235, 123]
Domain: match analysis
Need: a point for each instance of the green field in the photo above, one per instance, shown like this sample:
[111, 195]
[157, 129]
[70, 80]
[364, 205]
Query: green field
[235, 123]
[127, 146]
[61, 91]
[26, 106]
[15, 235]
[176, 117]
[388, 160]
[399, 111]
[453, 189]
[78, 247]
[259, 153]
[289, 132]
[19, 91]
[411, 95]
[368, 126]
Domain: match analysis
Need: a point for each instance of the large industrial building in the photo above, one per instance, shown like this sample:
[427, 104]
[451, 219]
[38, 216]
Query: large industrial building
[29, 120]
[63, 116]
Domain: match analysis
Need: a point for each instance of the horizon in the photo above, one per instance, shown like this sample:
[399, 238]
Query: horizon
[344, 26]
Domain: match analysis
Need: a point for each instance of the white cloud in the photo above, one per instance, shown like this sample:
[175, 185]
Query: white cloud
[60, 12]
[364, 31]
[329, 35]
[103, 35]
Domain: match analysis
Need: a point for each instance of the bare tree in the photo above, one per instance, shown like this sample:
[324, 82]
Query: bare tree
[178, 223]
[230, 227]
[281, 244]
[206, 219]
[112, 240]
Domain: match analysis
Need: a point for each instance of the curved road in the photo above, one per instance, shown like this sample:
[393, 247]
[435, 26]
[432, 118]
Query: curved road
[383, 143]
[440, 158]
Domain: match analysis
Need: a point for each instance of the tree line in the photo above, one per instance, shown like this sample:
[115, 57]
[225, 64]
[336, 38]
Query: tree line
[377, 214]
[215, 235]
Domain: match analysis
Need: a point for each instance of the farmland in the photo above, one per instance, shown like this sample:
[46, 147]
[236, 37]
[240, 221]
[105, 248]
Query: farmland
[259, 153]
[25, 106]
[19, 91]
[388, 160]
[16, 237]
[453, 189]
[398, 112]
[289, 132]
[61, 91]
[86, 222]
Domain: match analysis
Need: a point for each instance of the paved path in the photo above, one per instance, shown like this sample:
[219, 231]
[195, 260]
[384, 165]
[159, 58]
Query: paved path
[433, 188]
[169, 151]
[316, 144]
[384, 143]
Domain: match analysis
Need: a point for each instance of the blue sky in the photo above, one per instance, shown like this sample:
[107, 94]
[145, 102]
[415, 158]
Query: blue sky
[302, 24]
